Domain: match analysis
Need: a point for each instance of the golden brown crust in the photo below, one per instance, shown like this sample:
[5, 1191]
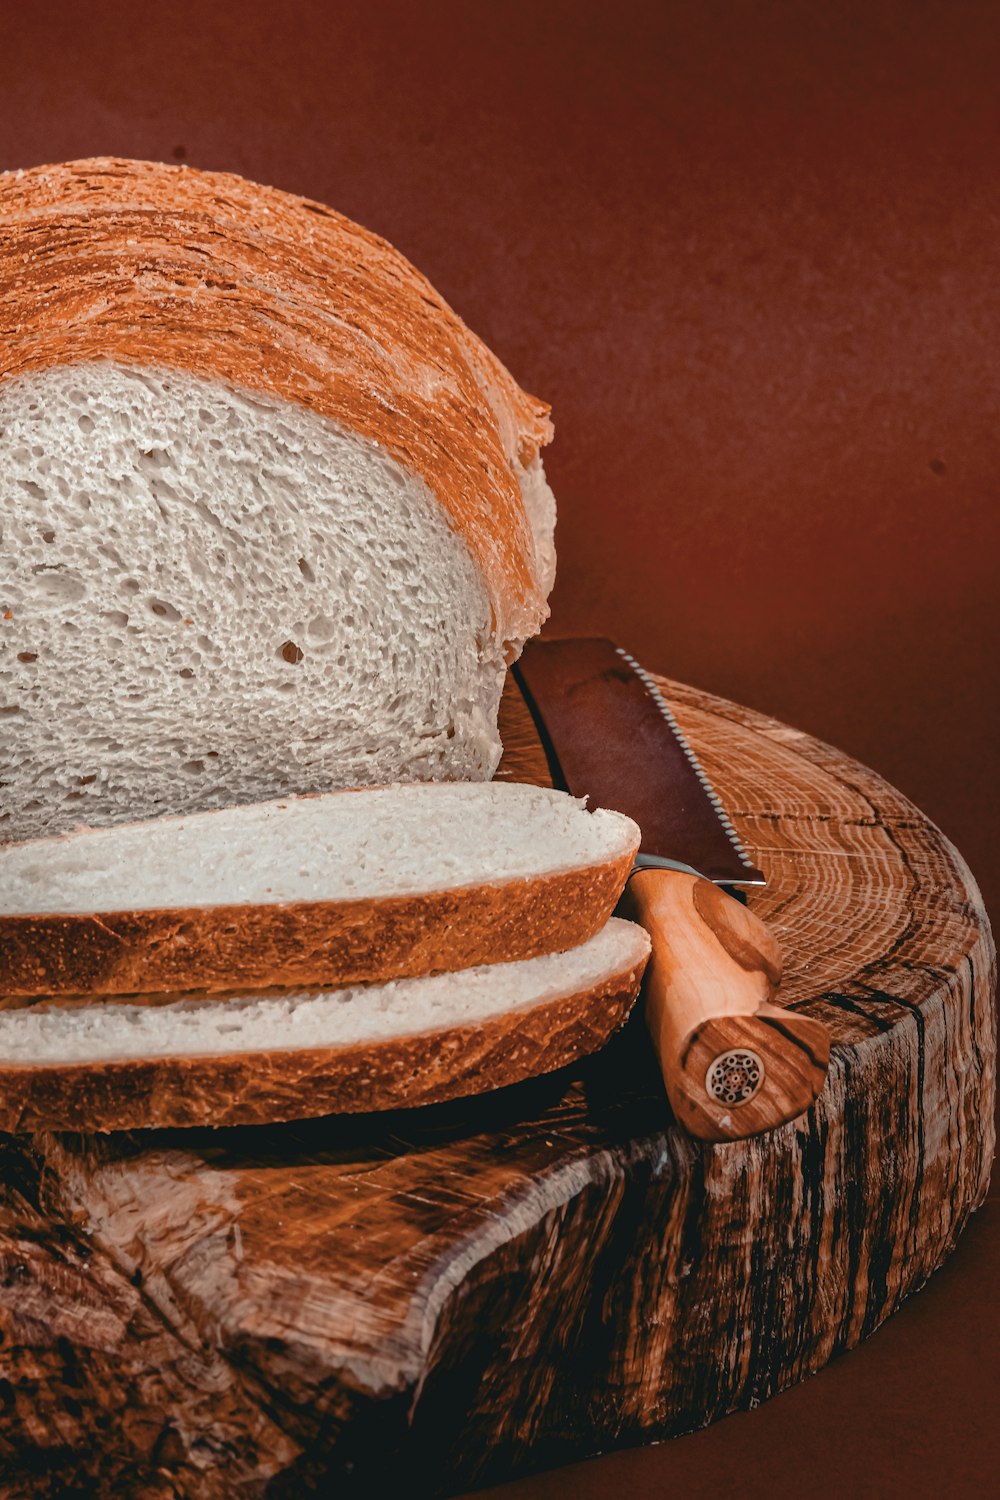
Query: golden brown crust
[306, 943]
[255, 1088]
[148, 264]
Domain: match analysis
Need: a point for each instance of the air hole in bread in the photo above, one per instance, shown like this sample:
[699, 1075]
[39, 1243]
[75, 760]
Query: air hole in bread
[321, 628]
[164, 610]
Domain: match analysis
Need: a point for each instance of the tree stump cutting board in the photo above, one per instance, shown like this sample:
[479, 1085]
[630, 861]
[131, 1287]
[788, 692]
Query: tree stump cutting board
[452, 1295]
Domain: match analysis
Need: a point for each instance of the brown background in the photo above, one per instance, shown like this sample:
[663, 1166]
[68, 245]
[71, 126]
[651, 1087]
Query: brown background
[749, 253]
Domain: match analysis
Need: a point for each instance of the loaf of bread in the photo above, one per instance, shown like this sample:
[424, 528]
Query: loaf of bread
[326, 889]
[249, 1058]
[272, 520]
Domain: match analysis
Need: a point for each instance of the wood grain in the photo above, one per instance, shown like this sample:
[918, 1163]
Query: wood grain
[448, 1296]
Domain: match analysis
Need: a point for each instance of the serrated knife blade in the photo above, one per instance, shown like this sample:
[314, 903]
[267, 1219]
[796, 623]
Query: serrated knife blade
[613, 738]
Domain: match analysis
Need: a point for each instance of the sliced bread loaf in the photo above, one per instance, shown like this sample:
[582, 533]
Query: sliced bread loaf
[247, 1058]
[327, 889]
[272, 520]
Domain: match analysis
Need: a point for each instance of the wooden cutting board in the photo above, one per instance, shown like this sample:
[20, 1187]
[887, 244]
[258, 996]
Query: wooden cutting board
[443, 1297]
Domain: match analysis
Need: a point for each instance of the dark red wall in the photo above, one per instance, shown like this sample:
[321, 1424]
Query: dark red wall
[750, 254]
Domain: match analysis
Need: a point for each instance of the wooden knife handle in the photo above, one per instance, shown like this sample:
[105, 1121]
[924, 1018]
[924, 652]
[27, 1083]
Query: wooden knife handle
[733, 1063]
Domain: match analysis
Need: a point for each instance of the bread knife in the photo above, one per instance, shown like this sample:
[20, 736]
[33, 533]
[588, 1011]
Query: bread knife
[734, 1063]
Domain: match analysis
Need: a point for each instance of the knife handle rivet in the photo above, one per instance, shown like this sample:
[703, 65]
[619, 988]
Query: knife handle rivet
[734, 1077]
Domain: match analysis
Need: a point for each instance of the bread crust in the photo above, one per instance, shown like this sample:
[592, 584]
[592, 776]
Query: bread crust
[165, 266]
[255, 1088]
[306, 943]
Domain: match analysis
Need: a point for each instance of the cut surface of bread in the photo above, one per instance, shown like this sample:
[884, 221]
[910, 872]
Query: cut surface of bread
[248, 1058]
[333, 888]
[272, 520]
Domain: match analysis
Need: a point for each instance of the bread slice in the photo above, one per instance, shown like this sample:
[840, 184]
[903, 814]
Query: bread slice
[331, 889]
[272, 520]
[249, 1058]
